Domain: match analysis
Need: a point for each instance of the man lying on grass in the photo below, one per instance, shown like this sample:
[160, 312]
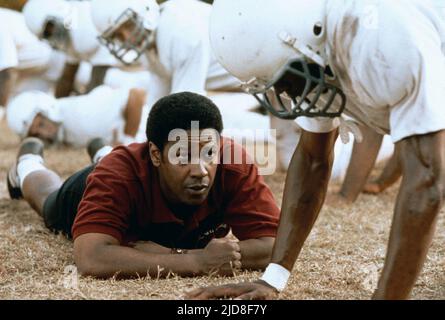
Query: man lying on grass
[137, 212]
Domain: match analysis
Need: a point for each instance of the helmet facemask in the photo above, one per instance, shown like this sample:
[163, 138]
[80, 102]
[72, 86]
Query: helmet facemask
[299, 89]
[56, 34]
[138, 40]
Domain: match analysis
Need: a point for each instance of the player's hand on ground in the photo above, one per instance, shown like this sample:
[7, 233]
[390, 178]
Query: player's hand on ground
[221, 256]
[372, 188]
[258, 290]
[337, 200]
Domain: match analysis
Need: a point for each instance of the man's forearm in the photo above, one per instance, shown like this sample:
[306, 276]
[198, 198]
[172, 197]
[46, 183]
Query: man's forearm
[97, 77]
[125, 262]
[65, 84]
[133, 111]
[304, 194]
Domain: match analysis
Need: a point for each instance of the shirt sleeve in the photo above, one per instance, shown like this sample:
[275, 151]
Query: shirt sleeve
[106, 204]
[318, 125]
[252, 212]
[8, 51]
[423, 110]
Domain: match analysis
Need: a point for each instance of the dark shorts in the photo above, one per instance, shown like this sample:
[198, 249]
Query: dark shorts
[60, 208]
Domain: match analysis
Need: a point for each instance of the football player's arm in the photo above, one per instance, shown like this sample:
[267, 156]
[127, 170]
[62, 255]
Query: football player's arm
[305, 190]
[8, 79]
[363, 158]
[97, 77]
[65, 85]
[133, 111]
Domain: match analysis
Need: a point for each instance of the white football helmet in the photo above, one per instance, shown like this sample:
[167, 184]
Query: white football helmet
[49, 20]
[22, 110]
[141, 17]
[277, 47]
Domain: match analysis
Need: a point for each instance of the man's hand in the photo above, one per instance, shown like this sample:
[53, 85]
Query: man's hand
[258, 290]
[372, 188]
[221, 256]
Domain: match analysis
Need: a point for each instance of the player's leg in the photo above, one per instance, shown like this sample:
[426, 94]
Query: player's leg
[363, 159]
[29, 178]
[390, 174]
[418, 204]
[43, 189]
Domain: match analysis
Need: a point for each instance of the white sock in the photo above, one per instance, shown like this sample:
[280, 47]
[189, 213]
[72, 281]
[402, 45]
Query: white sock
[102, 152]
[28, 164]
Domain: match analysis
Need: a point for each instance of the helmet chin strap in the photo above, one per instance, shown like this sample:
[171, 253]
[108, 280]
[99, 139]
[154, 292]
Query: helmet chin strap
[293, 42]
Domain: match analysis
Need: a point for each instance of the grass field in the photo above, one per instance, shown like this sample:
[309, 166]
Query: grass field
[341, 258]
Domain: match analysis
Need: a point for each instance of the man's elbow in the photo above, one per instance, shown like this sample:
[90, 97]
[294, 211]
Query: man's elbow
[87, 267]
[88, 264]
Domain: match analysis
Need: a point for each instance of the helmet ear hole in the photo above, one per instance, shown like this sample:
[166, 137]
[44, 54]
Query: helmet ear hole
[318, 29]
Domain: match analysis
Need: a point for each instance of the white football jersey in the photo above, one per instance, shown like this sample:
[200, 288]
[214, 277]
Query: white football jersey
[39, 66]
[184, 60]
[388, 58]
[19, 48]
[97, 114]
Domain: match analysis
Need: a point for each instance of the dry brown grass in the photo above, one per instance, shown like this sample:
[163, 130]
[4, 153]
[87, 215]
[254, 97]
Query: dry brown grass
[340, 260]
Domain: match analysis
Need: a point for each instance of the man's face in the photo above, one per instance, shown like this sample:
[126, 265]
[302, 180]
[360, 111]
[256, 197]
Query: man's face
[293, 84]
[128, 41]
[188, 182]
[44, 129]
[125, 33]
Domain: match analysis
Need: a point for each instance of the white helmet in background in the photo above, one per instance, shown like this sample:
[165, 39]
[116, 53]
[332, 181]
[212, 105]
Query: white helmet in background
[140, 17]
[22, 110]
[49, 20]
[277, 46]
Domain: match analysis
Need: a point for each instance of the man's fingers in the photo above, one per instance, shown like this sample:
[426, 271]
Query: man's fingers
[236, 256]
[227, 291]
[249, 296]
[234, 245]
[194, 293]
[371, 188]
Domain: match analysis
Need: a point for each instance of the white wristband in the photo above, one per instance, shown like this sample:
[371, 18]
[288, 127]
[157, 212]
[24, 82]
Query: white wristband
[276, 276]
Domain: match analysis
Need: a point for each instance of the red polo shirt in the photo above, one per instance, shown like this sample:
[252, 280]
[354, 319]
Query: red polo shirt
[123, 199]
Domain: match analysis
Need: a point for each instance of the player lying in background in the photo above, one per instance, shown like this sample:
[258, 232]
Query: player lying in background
[111, 114]
[137, 212]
